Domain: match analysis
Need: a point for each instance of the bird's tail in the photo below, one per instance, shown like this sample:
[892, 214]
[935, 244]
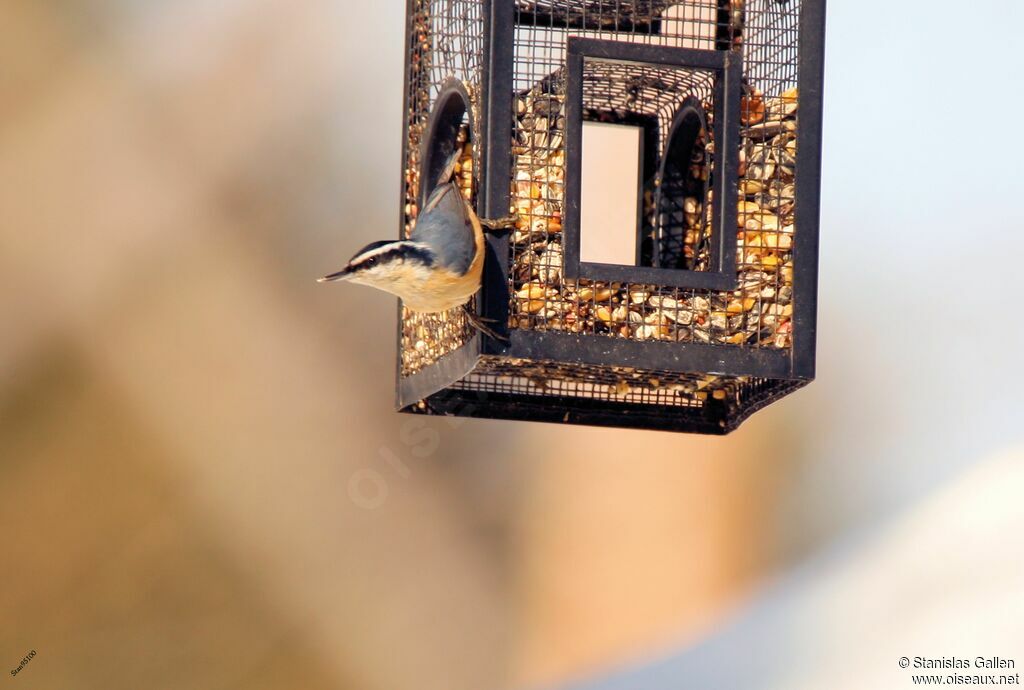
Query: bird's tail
[448, 171]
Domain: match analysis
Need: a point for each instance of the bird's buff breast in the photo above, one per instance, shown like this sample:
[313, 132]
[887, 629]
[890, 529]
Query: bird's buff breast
[423, 286]
[443, 290]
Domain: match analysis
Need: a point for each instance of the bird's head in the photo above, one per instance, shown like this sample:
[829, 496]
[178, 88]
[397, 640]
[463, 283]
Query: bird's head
[398, 267]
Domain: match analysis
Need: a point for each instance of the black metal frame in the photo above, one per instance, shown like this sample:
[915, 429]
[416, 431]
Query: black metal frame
[808, 187]
[784, 371]
[728, 69]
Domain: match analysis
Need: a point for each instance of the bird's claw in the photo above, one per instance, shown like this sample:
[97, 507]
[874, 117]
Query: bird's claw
[480, 323]
[499, 224]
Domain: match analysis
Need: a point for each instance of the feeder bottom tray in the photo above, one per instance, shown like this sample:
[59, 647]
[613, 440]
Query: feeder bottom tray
[546, 391]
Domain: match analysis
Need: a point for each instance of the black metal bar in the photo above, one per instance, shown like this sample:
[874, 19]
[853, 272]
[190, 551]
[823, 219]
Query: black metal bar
[647, 275]
[619, 51]
[497, 174]
[406, 105]
[727, 159]
[571, 211]
[604, 350]
[644, 162]
[808, 187]
[648, 163]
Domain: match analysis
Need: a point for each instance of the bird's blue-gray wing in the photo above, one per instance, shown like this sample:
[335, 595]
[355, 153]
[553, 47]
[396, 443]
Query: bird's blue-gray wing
[445, 227]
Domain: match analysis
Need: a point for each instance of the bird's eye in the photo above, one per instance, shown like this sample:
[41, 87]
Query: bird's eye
[371, 262]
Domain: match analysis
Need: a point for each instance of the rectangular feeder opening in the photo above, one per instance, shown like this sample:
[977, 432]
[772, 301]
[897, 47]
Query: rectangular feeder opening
[612, 167]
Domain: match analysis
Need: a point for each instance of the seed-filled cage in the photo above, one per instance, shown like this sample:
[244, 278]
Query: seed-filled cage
[666, 281]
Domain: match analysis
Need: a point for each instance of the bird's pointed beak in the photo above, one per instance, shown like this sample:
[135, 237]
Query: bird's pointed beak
[333, 277]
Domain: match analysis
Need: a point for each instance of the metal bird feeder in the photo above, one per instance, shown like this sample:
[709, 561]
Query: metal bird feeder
[713, 314]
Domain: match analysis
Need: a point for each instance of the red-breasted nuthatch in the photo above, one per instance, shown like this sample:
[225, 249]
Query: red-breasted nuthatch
[440, 266]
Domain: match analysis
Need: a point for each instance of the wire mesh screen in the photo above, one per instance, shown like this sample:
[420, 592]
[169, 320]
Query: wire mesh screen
[706, 403]
[621, 384]
[772, 40]
[446, 42]
[651, 17]
[758, 314]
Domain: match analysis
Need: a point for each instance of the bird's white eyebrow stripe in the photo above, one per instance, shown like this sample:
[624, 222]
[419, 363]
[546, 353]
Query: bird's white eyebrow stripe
[377, 252]
[423, 251]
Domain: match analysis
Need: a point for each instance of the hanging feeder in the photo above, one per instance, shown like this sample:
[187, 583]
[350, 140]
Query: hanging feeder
[708, 312]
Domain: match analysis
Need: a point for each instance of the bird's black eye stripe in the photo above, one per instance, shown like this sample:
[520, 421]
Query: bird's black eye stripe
[398, 254]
